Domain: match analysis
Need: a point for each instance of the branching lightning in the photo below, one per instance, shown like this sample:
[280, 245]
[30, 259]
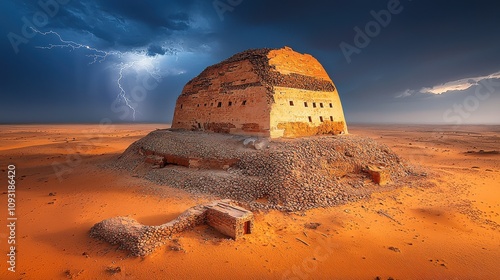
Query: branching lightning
[98, 56]
[139, 60]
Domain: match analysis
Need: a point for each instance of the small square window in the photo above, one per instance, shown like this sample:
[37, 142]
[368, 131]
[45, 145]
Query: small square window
[331, 105]
[321, 119]
[230, 103]
[291, 103]
[331, 118]
[244, 102]
[314, 104]
[181, 106]
[310, 119]
[321, 105]
[219, 104]
[205, 104]
[305, 104]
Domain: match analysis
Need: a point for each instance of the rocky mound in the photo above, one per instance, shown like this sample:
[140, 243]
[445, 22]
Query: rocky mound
[284, 174]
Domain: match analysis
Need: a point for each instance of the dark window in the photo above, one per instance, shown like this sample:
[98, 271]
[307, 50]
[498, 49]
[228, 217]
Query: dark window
[321, 105]
[331, 106]
[199, 125]
[205, 104]
[219, 105]
[230, 103]
[244, 102]
[181, 106]
[211, 104]
[305, 104]
[314, 104]
[291, 103]
[246, 227]
[321, 119]
[331, 118]
[198, 105]
[310, 119]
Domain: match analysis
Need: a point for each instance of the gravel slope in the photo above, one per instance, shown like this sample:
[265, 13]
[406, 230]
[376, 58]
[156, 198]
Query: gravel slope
[286, 174]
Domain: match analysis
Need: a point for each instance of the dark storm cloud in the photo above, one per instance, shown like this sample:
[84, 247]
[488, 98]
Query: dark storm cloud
[155, 50]
[121, 24]
[117, 27]
[172, 15]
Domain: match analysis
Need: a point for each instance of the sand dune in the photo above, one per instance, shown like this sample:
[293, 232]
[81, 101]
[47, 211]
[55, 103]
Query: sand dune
[450, 230]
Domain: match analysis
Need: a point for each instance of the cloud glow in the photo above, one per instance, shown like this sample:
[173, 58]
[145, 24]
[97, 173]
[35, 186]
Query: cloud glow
[458, 85]
[449, 87]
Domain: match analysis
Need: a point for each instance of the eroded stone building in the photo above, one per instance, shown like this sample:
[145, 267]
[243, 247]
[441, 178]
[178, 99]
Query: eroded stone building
[262, 92]
[230, 220]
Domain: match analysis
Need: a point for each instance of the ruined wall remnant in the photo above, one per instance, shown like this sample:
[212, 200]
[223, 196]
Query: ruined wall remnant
[262, 92]
[142, 240]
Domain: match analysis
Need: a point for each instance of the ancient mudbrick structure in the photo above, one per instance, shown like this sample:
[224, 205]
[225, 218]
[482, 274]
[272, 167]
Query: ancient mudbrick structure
[262, 92]
[230, 220]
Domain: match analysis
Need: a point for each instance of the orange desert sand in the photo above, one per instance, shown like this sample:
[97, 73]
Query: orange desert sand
[448, 229]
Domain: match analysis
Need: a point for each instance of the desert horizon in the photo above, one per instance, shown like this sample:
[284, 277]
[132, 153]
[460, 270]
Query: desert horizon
[404, 233]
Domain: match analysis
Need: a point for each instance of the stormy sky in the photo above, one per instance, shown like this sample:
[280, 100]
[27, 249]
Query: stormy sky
[126, 60]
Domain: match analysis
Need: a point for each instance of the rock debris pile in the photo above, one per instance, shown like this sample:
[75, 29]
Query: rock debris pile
[287, 174]
[142, 240]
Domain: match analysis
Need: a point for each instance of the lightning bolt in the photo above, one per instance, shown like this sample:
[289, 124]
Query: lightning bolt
[123, 94]
[99, 56]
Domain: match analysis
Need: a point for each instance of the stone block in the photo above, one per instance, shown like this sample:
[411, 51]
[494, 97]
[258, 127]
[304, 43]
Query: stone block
[379, 175]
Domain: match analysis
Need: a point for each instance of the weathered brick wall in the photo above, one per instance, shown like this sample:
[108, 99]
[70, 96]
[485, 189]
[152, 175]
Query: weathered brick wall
[163, 159]
[298, 112]
[228, 99]
[222, 222]
[227, 224]
[287, 61]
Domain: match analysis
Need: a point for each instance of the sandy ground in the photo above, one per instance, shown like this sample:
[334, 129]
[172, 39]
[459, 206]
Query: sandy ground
[449, 231]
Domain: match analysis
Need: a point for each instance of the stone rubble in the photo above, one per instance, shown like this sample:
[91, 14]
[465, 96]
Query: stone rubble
[142, 240]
